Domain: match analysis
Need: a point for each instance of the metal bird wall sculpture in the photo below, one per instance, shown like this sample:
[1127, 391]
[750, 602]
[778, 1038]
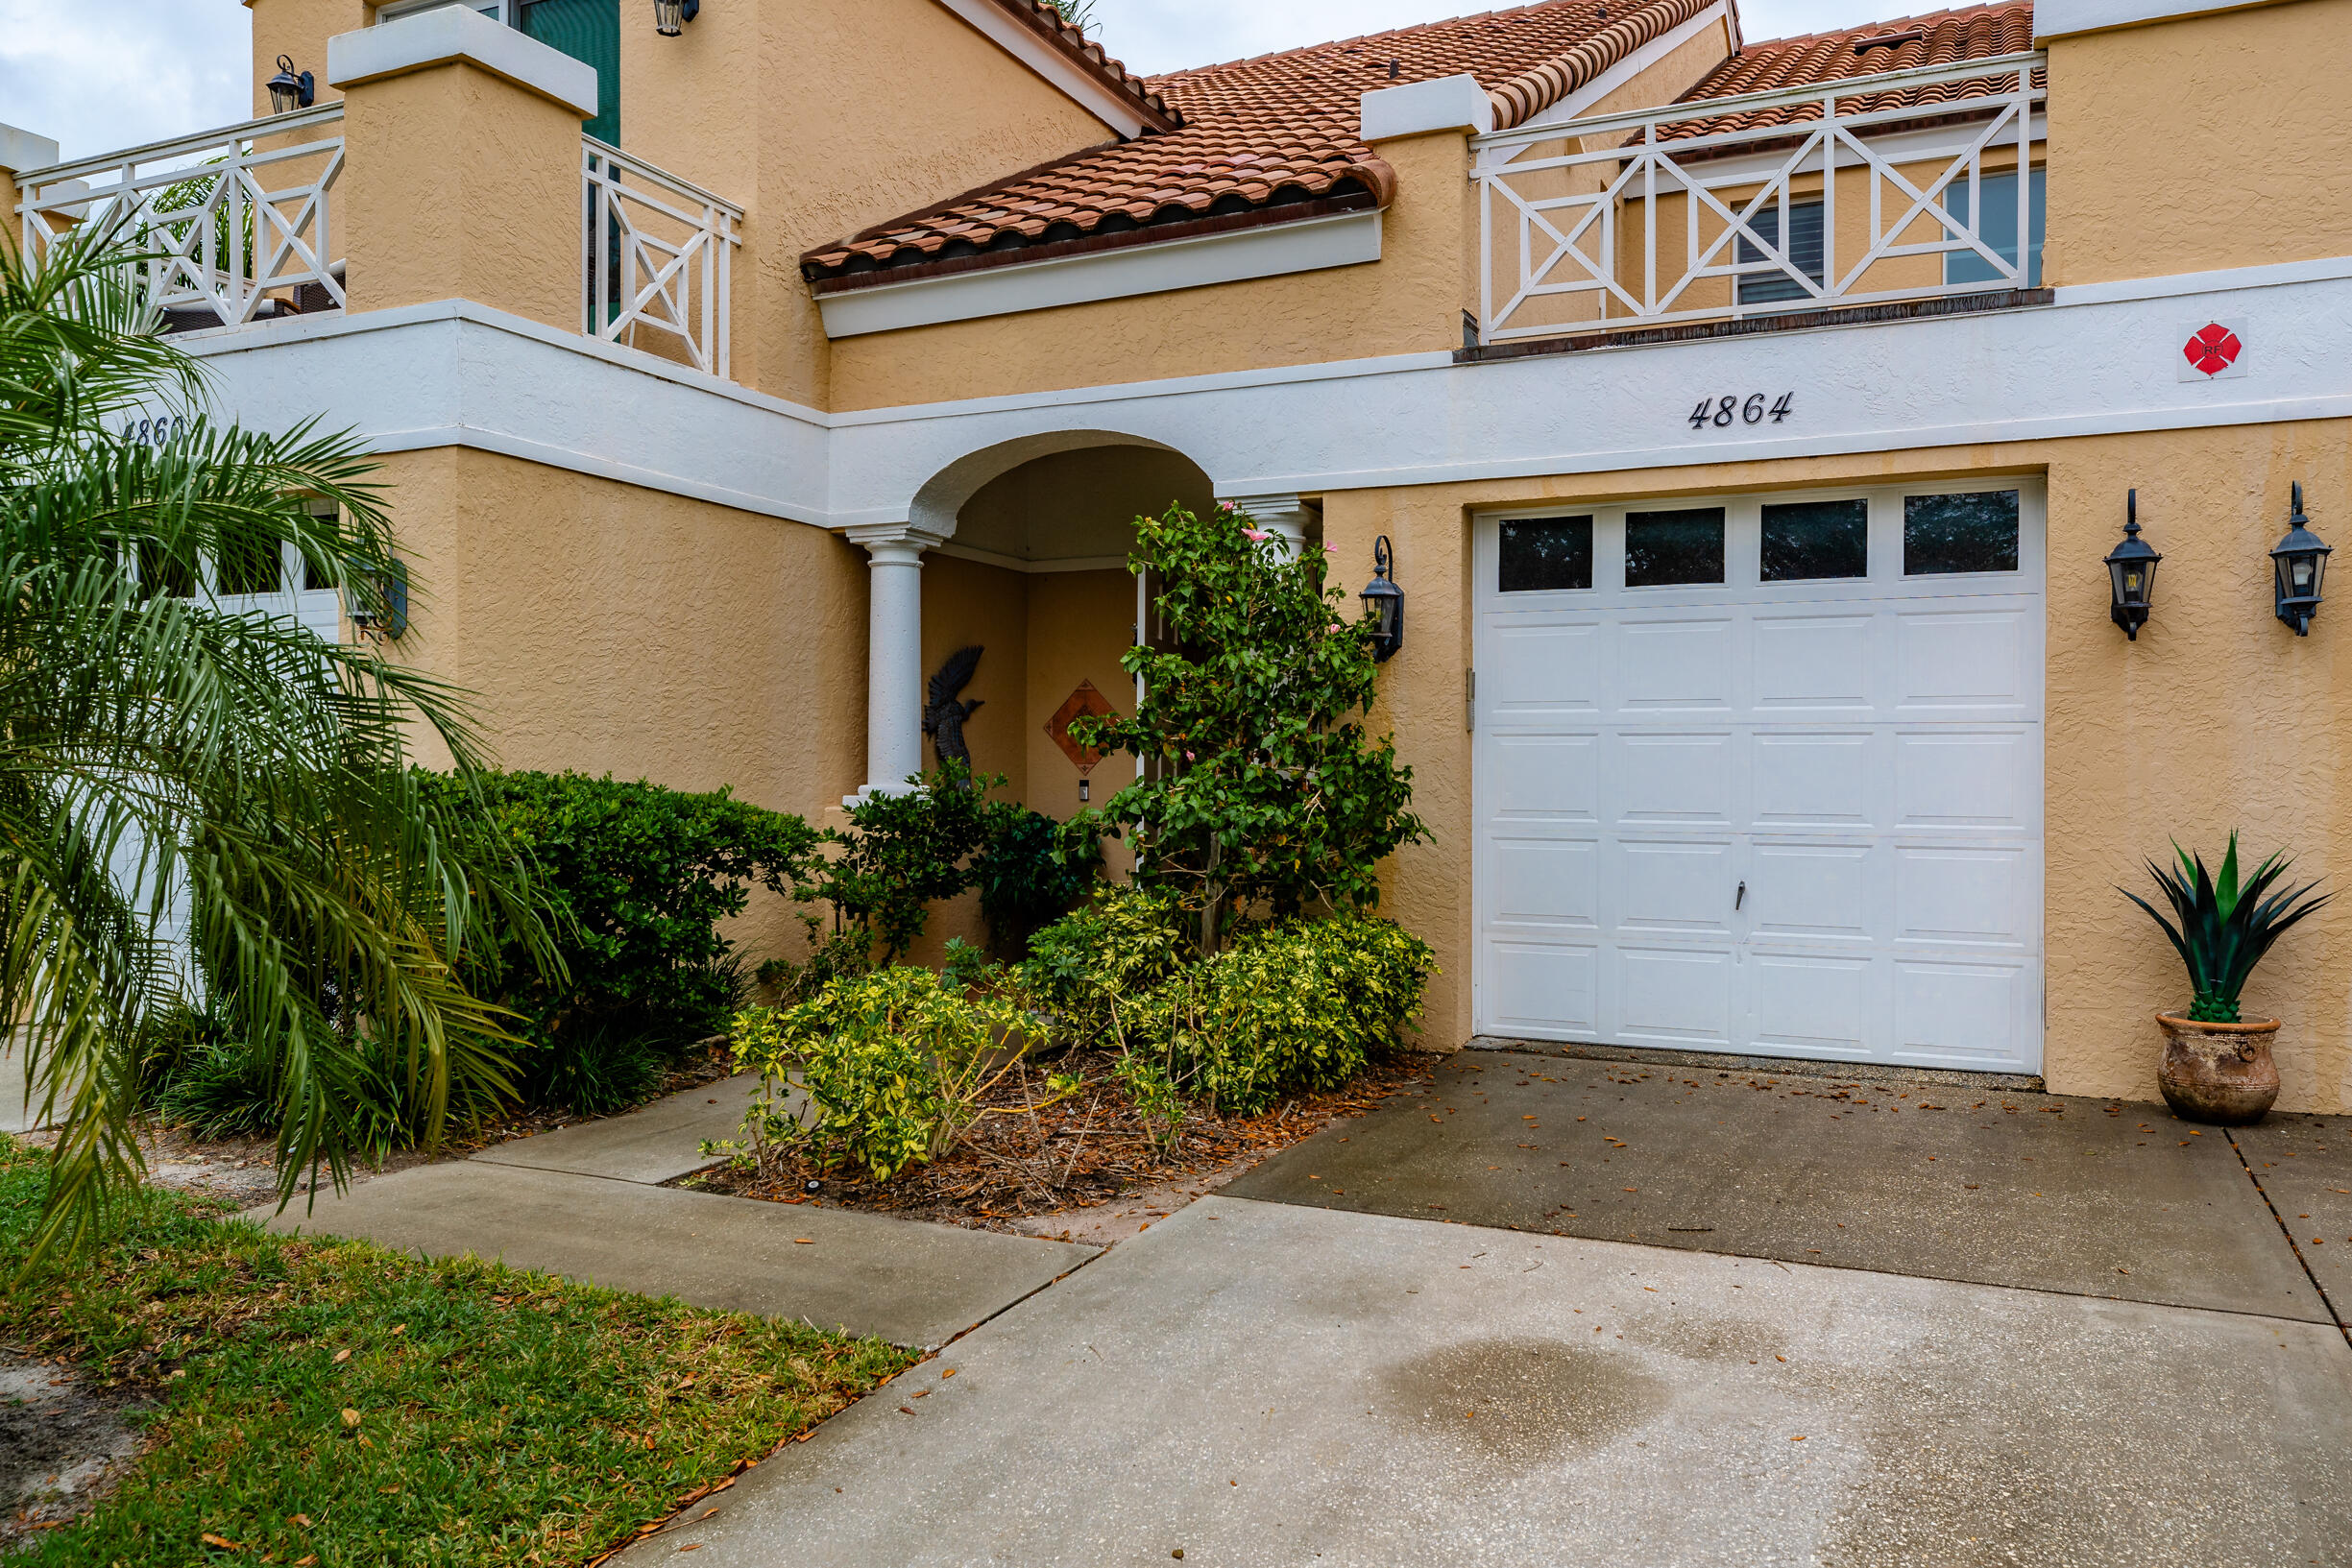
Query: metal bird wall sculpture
[944, 715]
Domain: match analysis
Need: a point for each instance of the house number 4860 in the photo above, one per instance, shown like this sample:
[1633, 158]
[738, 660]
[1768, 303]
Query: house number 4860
[1718, 412]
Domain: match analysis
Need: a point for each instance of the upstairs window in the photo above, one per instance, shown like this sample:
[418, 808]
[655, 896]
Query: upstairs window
[497, 10]
[1800, 242]
[1998, 230]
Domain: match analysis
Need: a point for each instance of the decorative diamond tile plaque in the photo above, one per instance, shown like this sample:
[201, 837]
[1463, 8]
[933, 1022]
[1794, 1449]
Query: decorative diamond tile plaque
[1083, 701]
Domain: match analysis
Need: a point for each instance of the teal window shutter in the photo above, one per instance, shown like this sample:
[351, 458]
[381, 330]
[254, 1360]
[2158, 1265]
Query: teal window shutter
[589, 31]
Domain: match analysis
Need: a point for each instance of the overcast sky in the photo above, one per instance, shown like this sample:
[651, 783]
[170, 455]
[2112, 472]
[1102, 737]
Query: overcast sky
[102, 74]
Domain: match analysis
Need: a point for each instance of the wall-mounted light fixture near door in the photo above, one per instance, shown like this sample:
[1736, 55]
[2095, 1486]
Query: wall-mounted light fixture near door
[2131, 572]
[2300, 565]
[291, 89]
[1383, 605]
[670, 16]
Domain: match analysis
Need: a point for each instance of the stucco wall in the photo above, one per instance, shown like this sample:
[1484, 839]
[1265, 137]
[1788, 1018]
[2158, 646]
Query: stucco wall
[608, 629]
[1411, 298]
[1079, 623]
[298, 29]
[424, 215]
[965, 603]
[2217, 717]
[821, 120]
[2219, 142]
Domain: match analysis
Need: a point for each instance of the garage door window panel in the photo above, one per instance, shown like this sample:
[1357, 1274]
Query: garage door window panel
[1545, 555]
[1668, 550]
[1815, 541]
[1973, 531]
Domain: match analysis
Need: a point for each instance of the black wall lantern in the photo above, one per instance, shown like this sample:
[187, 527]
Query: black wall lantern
[2300, 561]
[670, 16]
[1383, 605]
[379, 606]
[2131, 572]
[291, 89]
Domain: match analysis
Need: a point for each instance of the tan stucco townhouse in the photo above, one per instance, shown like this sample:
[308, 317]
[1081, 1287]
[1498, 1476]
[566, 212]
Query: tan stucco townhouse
[1750, 424]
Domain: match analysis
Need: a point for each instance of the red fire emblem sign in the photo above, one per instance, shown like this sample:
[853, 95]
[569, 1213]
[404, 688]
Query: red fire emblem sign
[2212, 348]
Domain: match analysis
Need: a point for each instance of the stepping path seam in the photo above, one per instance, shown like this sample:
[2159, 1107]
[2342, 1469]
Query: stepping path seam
[586, 1203]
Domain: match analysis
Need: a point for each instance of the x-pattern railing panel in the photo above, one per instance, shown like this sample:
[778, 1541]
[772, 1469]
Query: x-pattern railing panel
[659, 256]
[1736, 189]
[231, 218]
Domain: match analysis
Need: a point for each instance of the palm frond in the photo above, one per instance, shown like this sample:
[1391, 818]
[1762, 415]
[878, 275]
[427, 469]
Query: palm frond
[166, 760]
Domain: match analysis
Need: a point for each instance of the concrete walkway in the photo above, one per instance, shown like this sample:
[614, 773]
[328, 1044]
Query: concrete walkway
[1359, 1363]
[587, 1203]
[17, 1113]
[1262, 1384]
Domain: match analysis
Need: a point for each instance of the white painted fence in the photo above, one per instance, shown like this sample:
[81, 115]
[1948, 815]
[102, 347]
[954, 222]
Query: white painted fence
[1639, 220]
[239, 219]
[659, 258]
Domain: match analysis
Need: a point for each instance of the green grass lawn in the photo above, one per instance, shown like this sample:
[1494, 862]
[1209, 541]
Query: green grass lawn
[337, 1404]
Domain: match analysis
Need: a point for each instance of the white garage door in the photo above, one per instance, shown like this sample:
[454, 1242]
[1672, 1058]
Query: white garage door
[1764, 773]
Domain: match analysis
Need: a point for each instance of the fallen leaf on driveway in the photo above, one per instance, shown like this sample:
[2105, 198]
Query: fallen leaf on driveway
[804, 1241]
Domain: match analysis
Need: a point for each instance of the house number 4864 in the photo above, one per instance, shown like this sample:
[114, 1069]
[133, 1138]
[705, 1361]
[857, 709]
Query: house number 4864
[1716, 413]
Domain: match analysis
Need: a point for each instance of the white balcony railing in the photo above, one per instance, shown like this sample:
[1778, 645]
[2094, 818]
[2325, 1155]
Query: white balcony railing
[238, 221]
[1637, 220]
[659, 258]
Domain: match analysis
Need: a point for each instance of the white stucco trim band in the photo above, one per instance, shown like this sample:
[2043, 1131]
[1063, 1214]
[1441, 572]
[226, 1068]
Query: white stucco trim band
[1014, 563]
[21, 151]
[2065, 19]
[1443, 103]
[2272, 276]
[1075, 82]
[1154, 267]
[454, 32]
[452, 375]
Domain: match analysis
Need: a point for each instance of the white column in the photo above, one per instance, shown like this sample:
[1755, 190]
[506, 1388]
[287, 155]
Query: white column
[1281, 516]
[894, 656]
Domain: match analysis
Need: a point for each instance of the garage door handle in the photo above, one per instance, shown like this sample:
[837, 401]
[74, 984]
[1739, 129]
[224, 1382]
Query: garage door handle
[1739, 898]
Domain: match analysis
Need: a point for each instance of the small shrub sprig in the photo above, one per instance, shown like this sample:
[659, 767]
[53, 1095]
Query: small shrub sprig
[893, 1065]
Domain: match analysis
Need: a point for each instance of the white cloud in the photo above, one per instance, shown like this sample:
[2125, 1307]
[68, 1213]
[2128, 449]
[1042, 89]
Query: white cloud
[100, 74]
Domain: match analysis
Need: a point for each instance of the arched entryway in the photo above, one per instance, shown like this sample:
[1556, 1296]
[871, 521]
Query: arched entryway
[1020, 551]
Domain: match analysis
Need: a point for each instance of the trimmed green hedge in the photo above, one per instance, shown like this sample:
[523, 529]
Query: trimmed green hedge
[1294, 1006]
[639, 878]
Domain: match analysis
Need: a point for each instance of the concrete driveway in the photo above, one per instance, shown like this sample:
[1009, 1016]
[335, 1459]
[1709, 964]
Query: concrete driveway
[1331, 1370]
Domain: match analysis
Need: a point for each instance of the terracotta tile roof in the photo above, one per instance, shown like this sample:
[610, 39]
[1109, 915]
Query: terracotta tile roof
[1943, 38]
[1262, 139]
[1047, 21]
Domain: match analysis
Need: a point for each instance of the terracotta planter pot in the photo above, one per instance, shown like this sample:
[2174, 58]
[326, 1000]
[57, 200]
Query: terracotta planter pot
[2218, 1073]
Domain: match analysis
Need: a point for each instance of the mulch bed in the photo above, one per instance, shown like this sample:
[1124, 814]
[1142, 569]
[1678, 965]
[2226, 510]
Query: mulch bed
[1075, 1154]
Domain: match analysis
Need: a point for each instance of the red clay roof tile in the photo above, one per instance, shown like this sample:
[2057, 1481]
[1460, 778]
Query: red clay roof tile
[1275, 136]
[1264, 138]
[1943, 38]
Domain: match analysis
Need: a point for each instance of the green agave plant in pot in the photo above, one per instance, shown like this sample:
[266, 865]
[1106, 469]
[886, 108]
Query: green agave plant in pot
[2217, 1067]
